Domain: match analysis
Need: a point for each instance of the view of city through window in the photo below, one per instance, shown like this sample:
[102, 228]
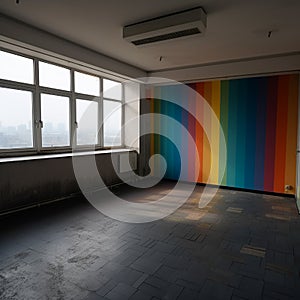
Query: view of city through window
[22, 121]
[15, 119]
[86, 116]
[56, 120]
[112, 117]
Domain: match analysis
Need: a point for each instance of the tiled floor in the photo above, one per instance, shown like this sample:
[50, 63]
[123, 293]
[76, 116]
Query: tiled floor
[242, 246]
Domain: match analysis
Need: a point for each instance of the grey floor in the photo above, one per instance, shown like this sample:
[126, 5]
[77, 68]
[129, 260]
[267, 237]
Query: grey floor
[242, 246]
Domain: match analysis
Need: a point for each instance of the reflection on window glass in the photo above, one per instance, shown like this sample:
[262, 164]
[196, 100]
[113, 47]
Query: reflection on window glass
[54, 76]
[112, 123]
[87, 84]
[15, 67]
[15, 119]
[55, 117]
[112, 89]
[86, 117]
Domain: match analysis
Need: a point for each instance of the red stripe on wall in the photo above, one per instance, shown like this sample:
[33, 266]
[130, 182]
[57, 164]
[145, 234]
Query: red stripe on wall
[192, 131]
[199, 129]
[281, 133]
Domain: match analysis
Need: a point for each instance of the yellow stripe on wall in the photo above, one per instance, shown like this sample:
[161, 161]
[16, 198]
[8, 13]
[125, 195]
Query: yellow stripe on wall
[215, 129]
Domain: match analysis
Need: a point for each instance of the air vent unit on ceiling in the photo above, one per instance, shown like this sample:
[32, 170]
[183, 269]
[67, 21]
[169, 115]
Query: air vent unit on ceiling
[173, 26]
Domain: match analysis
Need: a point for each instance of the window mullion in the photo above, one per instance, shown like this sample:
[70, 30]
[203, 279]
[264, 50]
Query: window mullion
[123, 117]
[16, 85]
[100, 116]
[73, 125]
[51, 91]
[37, 109]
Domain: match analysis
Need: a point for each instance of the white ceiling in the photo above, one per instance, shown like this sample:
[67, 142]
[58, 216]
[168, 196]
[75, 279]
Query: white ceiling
[236, 29]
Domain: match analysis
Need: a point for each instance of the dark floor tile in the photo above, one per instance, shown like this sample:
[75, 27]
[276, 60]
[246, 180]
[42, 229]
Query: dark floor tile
[127, 275]
[106, 288]
[146, 265]
[214, 290]
[150, 290]
[121, 291]
[274, 277]
[94, 296]
[140, 296]
[188, 294]
[167, 274]
[251, 288]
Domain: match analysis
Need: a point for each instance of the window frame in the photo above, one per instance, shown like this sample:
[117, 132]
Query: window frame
[83, 146]
[45, 149]
[54, 64]
[37, 90]
[122, 120]
[22, 55]
[122, 101]
[18, 86]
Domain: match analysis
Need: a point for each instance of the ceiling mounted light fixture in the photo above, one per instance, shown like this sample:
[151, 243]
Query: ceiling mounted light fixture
[181, 24]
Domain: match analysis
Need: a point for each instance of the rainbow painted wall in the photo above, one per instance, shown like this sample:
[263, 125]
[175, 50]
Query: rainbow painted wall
[258, 117]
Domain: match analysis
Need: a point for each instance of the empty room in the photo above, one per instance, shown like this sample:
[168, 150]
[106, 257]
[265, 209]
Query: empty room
[149, 149]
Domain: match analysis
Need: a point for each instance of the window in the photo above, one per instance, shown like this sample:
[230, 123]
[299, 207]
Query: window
[15, 119]
[16, 68]
[44, 105]
[56, 119]
[87, 117]
[87, 84]
[112, 112]
[112, 89]
[112, 116]
[54, 76]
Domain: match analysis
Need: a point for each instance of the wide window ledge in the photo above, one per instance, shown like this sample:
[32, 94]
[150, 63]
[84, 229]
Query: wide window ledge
[61, 155]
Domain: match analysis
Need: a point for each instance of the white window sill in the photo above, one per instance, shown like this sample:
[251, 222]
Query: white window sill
[60, 155]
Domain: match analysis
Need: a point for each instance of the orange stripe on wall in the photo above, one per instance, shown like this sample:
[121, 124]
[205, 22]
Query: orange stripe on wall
[291, 138]
[215, 128]
[198, 138]
[281, 133]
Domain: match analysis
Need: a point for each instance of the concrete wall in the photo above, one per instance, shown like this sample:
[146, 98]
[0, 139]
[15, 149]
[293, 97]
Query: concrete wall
[23, 183]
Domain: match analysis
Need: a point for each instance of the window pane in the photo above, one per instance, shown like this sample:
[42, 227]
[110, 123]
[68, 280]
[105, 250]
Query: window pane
[112, 113]
[87, 118]
[87, 84]
[55, 117]
[15, 67]
[54, 76]
[15, 119]
[112, 89]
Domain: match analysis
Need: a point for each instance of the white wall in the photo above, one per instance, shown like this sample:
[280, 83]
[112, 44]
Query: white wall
[244, 68]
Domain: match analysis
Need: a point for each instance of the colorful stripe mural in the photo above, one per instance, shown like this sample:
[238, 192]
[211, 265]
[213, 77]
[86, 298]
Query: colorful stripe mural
[258, 117]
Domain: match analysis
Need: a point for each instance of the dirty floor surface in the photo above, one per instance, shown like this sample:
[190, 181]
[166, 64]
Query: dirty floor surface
[242, 246]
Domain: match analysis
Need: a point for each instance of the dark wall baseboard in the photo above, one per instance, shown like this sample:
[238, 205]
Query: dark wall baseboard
[239, 189]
